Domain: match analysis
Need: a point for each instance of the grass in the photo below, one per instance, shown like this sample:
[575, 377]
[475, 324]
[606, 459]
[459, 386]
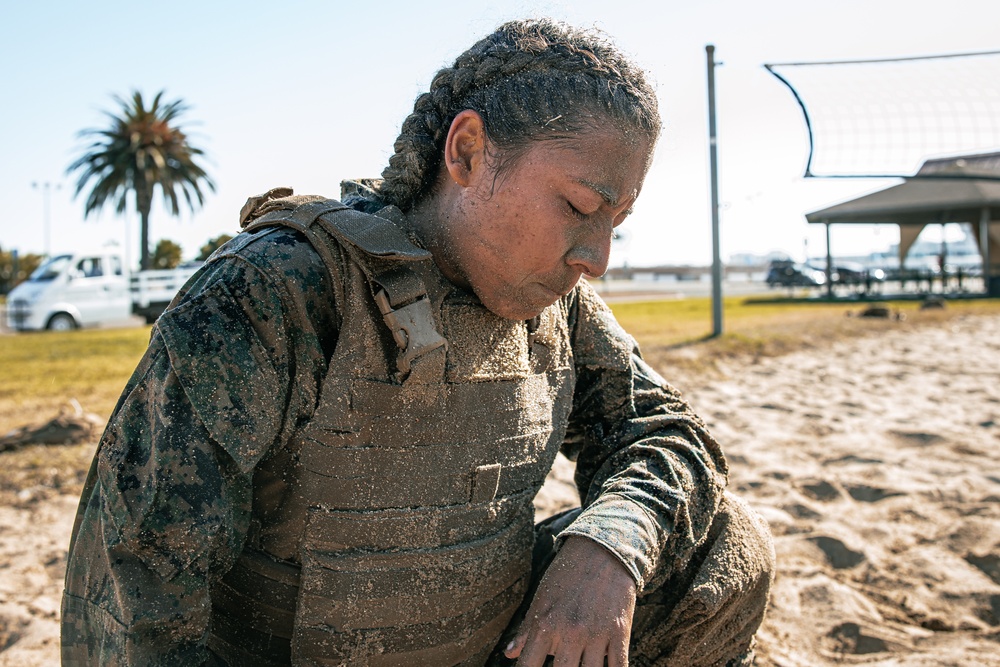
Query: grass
[41, 372]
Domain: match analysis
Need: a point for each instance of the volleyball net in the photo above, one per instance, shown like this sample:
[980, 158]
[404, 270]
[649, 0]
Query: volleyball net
[890, 117]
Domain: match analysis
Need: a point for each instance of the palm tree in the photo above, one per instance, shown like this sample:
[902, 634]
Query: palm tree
[141, 149]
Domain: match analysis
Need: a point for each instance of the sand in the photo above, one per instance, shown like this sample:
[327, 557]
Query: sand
[877, 465]
[876, 462]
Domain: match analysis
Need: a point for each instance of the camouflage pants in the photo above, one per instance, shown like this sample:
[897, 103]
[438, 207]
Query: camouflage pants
[706, 614]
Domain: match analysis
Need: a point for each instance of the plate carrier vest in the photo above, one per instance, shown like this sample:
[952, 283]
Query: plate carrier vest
[404, 530]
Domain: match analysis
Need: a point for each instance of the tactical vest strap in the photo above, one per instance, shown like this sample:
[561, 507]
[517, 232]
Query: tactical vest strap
[305, 214]
[406, 310]
[382, 250]
[374, 235]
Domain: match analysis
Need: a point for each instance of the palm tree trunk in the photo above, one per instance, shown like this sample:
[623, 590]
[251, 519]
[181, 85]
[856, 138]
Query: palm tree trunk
[143, 202]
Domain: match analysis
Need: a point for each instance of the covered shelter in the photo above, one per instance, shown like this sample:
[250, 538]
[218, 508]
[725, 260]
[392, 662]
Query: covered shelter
[957, 189]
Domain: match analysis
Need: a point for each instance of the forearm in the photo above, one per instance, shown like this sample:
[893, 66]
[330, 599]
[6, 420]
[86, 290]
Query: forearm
[650, 486]
[649, 473]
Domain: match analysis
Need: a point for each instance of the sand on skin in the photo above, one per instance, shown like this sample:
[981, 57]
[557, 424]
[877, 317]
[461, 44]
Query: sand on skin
[876, 462]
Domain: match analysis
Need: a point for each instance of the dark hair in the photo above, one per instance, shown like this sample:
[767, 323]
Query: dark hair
[530, 80]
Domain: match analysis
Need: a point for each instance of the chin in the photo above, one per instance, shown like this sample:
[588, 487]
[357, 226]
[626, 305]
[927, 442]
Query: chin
[518, 302]
[517, 310]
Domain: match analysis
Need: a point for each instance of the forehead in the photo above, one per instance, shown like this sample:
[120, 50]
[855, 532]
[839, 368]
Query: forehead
[592, 144]
[608, 161]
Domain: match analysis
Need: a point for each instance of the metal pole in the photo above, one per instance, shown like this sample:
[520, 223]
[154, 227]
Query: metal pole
[944, 258]
[714, 171]
[46, 189]
[984, 245]
[829, 264]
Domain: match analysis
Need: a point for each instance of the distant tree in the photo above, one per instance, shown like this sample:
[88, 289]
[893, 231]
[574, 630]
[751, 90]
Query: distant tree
[9, 277]
[141, 149]
[167, 255]
[212, 245]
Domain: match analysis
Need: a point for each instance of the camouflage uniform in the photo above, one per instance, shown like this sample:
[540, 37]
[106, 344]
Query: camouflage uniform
[233, 372]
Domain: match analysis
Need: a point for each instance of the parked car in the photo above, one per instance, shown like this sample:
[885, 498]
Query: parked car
[75, 290]
[785, 273]
[851, 273]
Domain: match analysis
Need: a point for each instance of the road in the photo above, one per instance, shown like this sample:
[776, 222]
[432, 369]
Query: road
[635, 290]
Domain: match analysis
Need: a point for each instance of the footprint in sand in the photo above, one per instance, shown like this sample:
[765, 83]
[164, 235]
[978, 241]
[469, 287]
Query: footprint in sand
[838, 554]
[820, 490]
[856, 639]
[870, 494]
[12, 628]
[917, 438]
[988, 564]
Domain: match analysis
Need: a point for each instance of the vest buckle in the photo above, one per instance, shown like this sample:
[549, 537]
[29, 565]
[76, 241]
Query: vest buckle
[412, 328]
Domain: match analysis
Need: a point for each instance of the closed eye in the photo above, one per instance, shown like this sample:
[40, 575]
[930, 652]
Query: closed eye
[575, 212]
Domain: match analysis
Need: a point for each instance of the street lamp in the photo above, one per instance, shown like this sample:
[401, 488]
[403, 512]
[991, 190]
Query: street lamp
[46, 189]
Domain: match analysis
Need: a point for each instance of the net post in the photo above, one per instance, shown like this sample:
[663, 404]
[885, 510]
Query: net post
[714, 170]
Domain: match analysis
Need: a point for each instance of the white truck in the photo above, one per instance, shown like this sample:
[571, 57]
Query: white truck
[88, 289]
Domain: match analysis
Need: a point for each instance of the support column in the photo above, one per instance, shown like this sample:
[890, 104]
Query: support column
[829, 263]
[984, 246]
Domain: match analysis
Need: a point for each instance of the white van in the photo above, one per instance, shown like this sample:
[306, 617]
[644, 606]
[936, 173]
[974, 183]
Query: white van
[87, 289]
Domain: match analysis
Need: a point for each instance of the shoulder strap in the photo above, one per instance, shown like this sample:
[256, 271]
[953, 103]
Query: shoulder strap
[382, 251]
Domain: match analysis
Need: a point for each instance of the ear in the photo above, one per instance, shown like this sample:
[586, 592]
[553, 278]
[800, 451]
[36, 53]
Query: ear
[465, 148]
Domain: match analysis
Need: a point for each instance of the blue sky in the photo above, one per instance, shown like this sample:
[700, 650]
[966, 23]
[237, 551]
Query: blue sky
[314, 92]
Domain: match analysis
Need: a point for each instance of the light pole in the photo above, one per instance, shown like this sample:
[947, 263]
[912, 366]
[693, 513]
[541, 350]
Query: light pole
[46, 189]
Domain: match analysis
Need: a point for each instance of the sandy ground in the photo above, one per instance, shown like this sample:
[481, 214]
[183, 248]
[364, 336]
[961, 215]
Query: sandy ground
[877, 465]
[876, 462]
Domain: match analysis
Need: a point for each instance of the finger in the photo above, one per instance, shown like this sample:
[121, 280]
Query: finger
[569, 655]
[618, 653]
[516, 645]
[593, 655]
[534, 652]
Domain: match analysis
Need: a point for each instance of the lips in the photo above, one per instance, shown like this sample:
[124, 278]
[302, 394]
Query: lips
[565, 288]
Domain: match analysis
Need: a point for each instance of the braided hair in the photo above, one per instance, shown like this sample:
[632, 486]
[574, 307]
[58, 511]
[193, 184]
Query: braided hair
[530, 80]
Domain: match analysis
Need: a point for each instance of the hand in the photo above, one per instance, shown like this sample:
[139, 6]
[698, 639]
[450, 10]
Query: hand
[581, 612]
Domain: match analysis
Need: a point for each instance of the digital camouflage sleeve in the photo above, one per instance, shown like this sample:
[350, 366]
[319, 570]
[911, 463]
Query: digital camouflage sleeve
[167, 504]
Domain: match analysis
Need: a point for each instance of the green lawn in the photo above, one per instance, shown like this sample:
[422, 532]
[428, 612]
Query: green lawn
[43, 371]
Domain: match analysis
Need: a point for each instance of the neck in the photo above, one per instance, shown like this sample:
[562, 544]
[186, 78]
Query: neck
[428, 220]
[421, 218]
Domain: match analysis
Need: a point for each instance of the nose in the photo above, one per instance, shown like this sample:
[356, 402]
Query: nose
[590, 255]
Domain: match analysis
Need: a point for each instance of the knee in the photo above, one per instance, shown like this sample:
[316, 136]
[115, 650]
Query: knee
[708, 613]
[735, 560]
[735, 565]
[747, 539]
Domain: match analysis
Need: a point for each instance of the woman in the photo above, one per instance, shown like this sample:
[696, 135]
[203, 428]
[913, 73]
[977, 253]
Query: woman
[329, 451]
